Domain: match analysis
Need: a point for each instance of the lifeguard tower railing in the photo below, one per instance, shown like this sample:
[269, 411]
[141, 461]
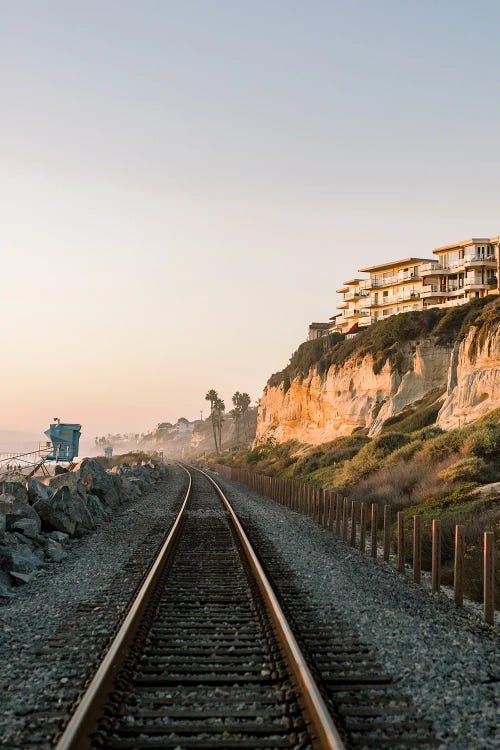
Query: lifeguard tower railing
[61, 448]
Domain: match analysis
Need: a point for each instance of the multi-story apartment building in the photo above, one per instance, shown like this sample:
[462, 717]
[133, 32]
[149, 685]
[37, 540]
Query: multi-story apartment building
[461, 271]
[394, 287]
[353, 313]
[391, 288]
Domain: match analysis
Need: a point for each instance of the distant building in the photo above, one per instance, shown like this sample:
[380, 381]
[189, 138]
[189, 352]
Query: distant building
[354, 313]
[316, 330]
[461, 272]
[392, 288]
[184, 425]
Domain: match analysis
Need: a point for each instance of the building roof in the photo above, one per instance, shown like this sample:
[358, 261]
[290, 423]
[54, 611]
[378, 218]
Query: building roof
[462, 243]
[352, 282]
[334, 317]
[320, 326]
[342, 289]
[395, 263]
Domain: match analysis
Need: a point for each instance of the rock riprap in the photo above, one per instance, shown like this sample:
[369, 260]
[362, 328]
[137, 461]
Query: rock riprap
[39, 518]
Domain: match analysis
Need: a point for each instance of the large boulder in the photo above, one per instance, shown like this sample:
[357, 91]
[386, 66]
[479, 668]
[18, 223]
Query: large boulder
[37, 490]
[24, 560]
[95, 479]
[132, 487]
[15, 487]
[69, 479]
[99, 511]
[54, 551]
[21, 511]
[27, 526]
[18, 554]
[58, 536]
[66, 511]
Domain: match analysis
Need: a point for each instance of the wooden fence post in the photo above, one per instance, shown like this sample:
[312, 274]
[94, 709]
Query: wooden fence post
[489, 577]
[387, 532]
[362, 527]
[436, 555]
[401, 541]
[417, 548]
[338, 515]
[374, 529]
[345, 519]
[458, 577]
[353, 523]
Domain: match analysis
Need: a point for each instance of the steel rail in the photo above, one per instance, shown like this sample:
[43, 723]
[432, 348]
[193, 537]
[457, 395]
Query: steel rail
[76, 735]
[325, 733]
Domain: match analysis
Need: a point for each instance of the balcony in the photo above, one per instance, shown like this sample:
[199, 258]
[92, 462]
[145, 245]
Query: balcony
[365, 303]
[472, 284]
[488, 261]
[432, 290]
[469, 261]
[391, 280]
[356, 295]
[449, 303]
[431, 269]
[393, 299]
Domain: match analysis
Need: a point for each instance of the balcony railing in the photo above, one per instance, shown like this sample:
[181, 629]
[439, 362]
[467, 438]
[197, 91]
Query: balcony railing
[355, 294]
[460, 263]
[389, 281]
[394, 299]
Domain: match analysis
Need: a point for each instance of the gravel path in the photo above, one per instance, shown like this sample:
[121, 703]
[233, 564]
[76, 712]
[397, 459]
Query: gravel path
[42, 661]
[446, 659]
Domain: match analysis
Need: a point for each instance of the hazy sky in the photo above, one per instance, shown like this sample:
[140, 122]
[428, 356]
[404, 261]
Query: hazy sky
[183, 185]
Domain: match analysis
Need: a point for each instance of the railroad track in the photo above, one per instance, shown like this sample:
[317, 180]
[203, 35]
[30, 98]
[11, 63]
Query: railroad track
[205, 657]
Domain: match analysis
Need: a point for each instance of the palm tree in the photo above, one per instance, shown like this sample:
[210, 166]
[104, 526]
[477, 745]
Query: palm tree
[219, 409]
[245, 402]
[213, 397]
[236, 413]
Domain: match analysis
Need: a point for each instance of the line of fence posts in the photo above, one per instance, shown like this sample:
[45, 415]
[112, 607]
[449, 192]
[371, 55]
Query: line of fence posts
[336, 513]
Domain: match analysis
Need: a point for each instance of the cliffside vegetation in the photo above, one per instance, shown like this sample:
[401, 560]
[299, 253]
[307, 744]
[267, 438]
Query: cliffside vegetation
[383, 339]
[454, 476]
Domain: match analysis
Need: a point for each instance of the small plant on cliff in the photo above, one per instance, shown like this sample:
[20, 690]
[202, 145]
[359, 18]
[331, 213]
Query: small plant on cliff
[471, 469]
[369, 458]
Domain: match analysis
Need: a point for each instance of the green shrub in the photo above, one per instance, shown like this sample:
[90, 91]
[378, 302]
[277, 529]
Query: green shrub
[472, 469]
[484, 440]
[427, 433]
[405, 453]
[444, 446]
[420, 418]
[371, 456]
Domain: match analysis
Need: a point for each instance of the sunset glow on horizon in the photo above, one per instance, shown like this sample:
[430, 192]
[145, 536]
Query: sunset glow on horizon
[185, 185]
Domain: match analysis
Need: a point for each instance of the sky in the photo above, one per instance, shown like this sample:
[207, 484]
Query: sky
[184, 185]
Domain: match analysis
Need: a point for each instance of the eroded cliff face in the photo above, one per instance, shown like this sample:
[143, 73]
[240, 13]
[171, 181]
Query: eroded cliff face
[473, 380]
[317, 409]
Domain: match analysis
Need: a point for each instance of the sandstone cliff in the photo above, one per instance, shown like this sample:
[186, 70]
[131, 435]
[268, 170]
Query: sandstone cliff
[447, 355]
[473, 387]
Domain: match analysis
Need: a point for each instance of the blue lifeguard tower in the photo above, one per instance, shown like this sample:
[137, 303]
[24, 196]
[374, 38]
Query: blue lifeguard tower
[65, 439]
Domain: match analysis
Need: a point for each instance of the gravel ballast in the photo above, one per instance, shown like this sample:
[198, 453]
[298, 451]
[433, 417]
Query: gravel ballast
[55, 627]
[446, 660]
